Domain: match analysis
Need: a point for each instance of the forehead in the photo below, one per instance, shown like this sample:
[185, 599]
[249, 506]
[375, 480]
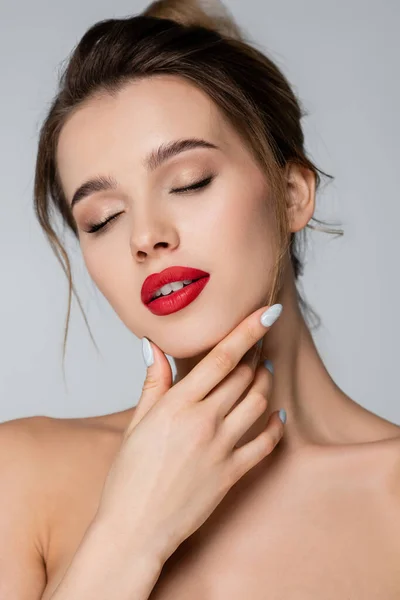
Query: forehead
[127, 126]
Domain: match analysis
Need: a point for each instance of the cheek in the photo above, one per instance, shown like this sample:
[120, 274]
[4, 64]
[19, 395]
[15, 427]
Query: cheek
[110, 270]
[242, 228]
[245, 252]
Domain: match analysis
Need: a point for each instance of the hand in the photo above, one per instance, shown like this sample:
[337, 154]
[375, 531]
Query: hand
[178, 457]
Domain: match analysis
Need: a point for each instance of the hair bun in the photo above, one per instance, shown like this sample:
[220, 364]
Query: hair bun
[211, 14]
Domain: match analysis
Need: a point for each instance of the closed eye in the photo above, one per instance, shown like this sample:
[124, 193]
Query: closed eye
[95, 227]
[194, 186]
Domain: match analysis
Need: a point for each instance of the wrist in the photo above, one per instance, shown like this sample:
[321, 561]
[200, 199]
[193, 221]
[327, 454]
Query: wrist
[103, 567]
[130, 542]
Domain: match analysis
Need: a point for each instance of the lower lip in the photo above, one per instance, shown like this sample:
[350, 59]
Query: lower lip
[165, 305]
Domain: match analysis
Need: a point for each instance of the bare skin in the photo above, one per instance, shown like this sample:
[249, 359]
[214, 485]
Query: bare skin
[316, 516]
[325, 519]
[319, 517]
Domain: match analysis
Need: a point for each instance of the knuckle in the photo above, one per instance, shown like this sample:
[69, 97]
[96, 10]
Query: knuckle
[224, 360]
[150, 382]
[178, 416]
[251, 333]
[203, 429]
[267, 441]
[246, 371]
[259, 400]
[232, 474]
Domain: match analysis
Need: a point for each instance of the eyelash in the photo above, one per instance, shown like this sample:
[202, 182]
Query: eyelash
[102, 225]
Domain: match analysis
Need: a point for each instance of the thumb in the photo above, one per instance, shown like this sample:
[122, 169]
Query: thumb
[157, 382]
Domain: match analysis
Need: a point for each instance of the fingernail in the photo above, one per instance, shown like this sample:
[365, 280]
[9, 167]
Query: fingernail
[268, 365]
[270, 316]
[282, 415]
[147, 351]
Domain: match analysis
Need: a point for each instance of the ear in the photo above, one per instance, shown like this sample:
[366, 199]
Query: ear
[300, 195]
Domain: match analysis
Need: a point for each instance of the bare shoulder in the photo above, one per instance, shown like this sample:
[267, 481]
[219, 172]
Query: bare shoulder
[22, 567]
[53, 444]
[382, 470]
[44, 453]
[21, 455]
[73, 454]
[392, 457]
[387, 503]
[58, 464]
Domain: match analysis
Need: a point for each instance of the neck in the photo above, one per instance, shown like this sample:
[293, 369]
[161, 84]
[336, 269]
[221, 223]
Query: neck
[318, 412]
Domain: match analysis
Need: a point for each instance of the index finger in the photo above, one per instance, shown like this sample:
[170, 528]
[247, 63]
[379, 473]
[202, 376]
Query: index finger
[224, 357]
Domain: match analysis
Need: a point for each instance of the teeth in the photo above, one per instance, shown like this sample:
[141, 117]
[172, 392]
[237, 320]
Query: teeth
[171, 287]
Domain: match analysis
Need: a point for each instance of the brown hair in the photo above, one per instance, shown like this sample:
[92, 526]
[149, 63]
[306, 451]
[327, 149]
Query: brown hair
[201, 43]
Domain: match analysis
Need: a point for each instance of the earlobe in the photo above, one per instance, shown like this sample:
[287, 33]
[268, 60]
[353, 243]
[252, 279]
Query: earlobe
[300, 193]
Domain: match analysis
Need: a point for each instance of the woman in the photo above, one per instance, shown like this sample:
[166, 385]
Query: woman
[174, 152]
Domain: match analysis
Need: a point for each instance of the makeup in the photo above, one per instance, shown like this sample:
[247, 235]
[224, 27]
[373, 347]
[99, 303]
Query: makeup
[173, 288]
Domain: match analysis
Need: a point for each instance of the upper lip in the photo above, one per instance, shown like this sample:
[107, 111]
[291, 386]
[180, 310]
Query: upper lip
[155, 281]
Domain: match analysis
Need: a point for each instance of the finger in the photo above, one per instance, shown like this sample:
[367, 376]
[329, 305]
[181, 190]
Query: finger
[233, 388]
[157, 382]
[250, 454]
[224, 357]
[246, 412]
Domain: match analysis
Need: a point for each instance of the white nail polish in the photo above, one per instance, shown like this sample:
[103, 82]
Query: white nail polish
[147, 352]
[270, 316]
[268, 365]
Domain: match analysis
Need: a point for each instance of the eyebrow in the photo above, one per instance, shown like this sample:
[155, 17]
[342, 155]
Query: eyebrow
[152, 161]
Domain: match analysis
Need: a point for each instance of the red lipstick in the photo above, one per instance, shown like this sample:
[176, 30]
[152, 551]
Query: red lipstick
[164, 305]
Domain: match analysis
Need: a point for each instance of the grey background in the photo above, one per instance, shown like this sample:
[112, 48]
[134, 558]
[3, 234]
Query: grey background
[343, 60]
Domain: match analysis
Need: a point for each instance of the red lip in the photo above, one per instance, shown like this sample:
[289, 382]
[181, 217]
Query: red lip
[156, 280]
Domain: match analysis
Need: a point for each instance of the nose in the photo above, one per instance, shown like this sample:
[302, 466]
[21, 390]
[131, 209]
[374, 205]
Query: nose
[152, 237]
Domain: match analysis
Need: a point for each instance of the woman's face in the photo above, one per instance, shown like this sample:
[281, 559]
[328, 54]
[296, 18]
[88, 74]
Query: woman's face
[224, 228]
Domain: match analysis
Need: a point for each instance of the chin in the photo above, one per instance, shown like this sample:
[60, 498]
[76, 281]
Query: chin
[196, 330]
[179, 349]
[194, 337]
